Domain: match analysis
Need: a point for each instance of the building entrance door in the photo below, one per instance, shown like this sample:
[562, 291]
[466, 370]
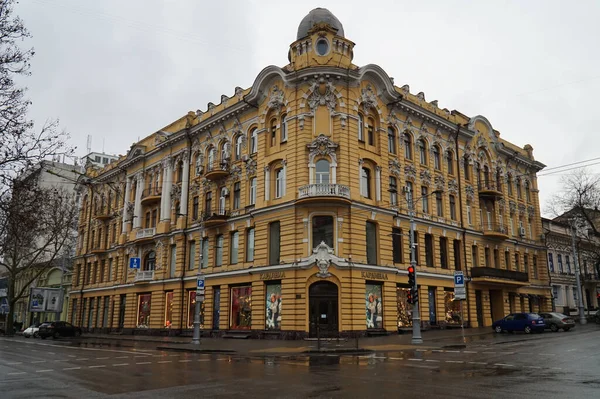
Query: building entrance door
[479, 308]
[323, 309]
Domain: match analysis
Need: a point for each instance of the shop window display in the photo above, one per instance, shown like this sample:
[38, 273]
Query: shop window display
[168, 309]
[273, 306]
[404, 308]
[192, 310]
[374, 308]
[241, 308]
[144, 311]
[452, 308]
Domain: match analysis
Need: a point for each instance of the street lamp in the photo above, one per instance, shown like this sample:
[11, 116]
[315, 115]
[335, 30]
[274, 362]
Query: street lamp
[416, 316]
[582, 319]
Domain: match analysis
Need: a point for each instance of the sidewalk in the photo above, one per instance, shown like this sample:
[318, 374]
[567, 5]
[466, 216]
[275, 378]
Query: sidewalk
[395, 342]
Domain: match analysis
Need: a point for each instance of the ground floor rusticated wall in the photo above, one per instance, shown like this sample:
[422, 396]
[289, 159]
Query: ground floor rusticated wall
[287, 301]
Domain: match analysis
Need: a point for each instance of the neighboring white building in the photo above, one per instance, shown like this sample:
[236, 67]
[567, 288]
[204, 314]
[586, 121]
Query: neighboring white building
[98, 159]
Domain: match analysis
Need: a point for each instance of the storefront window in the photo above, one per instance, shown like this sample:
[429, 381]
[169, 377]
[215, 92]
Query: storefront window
[452, 308]
[143, 319]
[404, 308]
[241, 307]
[168, 309]
[192, 310]
[273, 306]
[373, 306]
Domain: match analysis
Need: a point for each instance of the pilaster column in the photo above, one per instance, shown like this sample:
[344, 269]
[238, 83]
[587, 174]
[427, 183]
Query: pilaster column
[283, 188]
[137, 206]
[267, 183]
[126, 215]
[333, 174]
[185, 184]
[165, 199]
[378, 183]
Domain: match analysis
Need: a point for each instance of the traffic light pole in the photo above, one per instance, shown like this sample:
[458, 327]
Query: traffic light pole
[416, 316]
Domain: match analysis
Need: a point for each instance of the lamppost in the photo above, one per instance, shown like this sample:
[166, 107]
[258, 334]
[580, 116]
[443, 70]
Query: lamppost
[582, 319]
[416, 316]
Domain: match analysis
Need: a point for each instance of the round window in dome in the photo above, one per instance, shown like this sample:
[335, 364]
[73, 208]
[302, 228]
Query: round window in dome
[322, 46]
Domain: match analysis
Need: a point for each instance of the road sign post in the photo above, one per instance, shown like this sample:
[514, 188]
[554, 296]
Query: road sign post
[460, 294]
[199, 299]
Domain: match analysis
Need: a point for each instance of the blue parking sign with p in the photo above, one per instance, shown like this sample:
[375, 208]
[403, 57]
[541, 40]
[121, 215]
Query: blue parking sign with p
[134, 263]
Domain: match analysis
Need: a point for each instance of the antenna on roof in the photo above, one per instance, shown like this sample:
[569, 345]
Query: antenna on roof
[103, 145]
[89, 143]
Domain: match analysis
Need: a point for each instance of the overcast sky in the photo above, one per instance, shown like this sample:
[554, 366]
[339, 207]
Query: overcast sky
[118, 70]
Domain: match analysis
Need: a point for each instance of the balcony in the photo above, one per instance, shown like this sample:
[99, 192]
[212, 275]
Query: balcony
[145, 234]
[143, 275]
[591, 277]
[97, 249]
[490, 190]
[320, 191]
[151, 195]
[214, 218]
[498, 276]
[495, 231]
[103, 215]
[217, 170]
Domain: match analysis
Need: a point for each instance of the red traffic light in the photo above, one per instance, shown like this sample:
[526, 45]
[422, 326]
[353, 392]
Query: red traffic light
[411, 269]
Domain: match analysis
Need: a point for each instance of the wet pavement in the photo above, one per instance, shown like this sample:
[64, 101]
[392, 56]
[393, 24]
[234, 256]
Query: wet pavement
[549, 365]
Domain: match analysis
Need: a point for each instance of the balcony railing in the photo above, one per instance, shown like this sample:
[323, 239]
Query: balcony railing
[217, 166]
[494, 230]
[219, 214]
[145, 233]
[144, 275]
[591, 277]
[489, 188]
[151, 192]
[324, 190]
[499, 273]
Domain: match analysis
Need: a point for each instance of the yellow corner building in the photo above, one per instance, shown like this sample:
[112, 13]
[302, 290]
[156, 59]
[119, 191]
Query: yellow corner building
[290, 198]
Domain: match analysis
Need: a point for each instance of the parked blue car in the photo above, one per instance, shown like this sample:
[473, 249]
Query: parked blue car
[526, 322]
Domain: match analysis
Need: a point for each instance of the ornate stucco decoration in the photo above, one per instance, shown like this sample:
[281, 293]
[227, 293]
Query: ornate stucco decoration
[440, 183]
[175, 194]
[522, 210]
[328, 98]
[470, 191]
[205, 184]
[323, 255]
[395, 167]
[452, 187]
[235, 173]
[158, 249]
[501, 205]
[131, 251]
[425, 177]
[195, 188]
[239, 92]
[482, 143]
[530, 211]
[322, 145]
[512, 207]
[250, 168]
[368, 99]
[410, 172]
[276, 99]
[130, 207]
[405, 88]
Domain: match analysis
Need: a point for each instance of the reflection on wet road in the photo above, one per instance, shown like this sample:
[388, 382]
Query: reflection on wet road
[549, 366]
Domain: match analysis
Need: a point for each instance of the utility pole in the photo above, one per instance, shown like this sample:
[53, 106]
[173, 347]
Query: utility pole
[199, 300]
[416, 317]
[582, 319]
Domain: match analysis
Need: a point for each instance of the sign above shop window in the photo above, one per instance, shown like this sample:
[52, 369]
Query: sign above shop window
[272, 276]
[374, 275]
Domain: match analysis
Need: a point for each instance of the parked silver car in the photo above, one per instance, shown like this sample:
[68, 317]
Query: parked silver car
[32, 331]
[555, 321]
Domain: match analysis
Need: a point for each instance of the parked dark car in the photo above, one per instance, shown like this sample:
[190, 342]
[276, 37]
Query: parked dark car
[526, 322]
[555, 321]
[57, 329]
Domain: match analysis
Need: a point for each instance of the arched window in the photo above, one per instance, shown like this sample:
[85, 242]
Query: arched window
[519, 192]
[150, 261]
[437, 161]
[391, 140]
[208, 203]
[179, 172]
[253, 141]
[467, 168]
[211, 158]
[393, 191]
[486, 176]
[322, 171]
[527, 192]
[365, 179]
[239, 140]
[279, 182]
[450, 162]
[371, 131]
[361, 127]
[498, 179]
[221, 210]
[509, 184]
[224, 151]
[273, 131]
[422, 151]
[478, 173]
[407, 146]
[284, 128]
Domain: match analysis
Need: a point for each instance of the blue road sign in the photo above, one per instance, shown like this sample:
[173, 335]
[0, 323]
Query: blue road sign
[459, 279]
[200, 283]
[135, 263]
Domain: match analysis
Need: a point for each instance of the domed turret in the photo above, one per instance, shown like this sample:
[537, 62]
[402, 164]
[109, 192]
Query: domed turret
[316, 16]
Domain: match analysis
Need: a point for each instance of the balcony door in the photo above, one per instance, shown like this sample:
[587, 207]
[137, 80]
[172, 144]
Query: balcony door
[322, 175]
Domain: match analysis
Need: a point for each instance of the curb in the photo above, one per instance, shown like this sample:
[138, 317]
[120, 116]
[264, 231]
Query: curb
[215, 351]
[334, 351]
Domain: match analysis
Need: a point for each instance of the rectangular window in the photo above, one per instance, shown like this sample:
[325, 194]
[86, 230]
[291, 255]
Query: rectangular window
[534, 266]
[416, 247]
[147, 222]
[173, 261]
[84, 309]
[91, 313]
[429, 250]
[219, 250]
[192, 255]
[195, 207]
[444, 252]
[469, 214]
[236, 195]
[273, 305]
[439, 204]
[279, 182]
[371, 243]
[373, 298]
[467, 169]
[241, 308]
[74, 312]
[526, 263]
[110, 269]
[208, 203]
[424, 199]
[560, 263]
[397, 244]
[475, 256]
[457, 257]
[284, 129]
[168, 309]
[452, 201]
[252, 199]
[497, 258]
[450, 162]
[143, 316]
[105, 315]
[507, 260]
[250, 245]
[391, 141]
[488, 258]
[192, 310]
[234, 247]
[517, 266]
[102, 269]
[274, 243]
[568, 263]
[361, 127]
[393, 191]
[154, 218]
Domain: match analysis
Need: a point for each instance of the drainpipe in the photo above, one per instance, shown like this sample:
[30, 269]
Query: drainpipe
[462, 221]
[87, 248]
[189, 149]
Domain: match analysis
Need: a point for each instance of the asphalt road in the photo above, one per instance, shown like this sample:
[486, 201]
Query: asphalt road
[549, 365]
